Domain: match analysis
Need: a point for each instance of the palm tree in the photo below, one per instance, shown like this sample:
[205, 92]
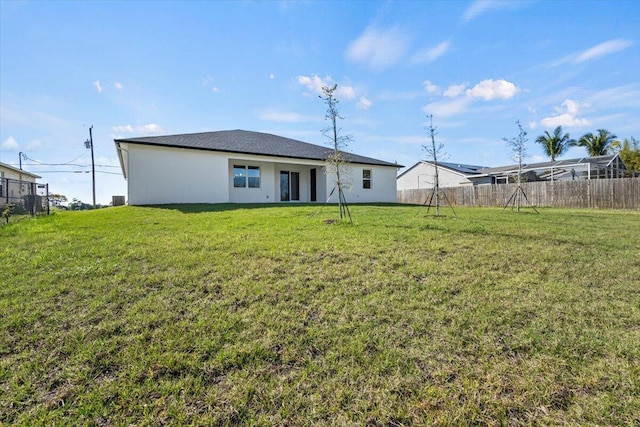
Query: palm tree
[555, 145]
[597, 145]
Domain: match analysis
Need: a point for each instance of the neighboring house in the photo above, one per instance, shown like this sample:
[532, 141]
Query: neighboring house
[421, 175]
[15, 184]
[240, 166]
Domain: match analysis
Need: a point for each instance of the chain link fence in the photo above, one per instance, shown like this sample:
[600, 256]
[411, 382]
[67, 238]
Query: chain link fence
[23, 198]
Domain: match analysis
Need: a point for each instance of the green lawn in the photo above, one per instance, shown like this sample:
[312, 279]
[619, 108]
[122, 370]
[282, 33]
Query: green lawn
[226, 315]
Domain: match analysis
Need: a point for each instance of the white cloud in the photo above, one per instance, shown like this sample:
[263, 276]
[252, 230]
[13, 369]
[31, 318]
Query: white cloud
[447, 108]
[118, 85]
[216, 89]
[378, 49]
[486, 89]
[10, 144]
[595, 52]
[564, 120]
[98, 86]
[454, 90]
[315, 84]
[479, 7]
[123, 129]
[572, 107]
[431, 54]
[152, 128]
[148, 129]
[364, 103]
[493, 89]
[430, 87]
[567, 116]
[603, 49]
[346, 92]
[272, 76]
[627, 96]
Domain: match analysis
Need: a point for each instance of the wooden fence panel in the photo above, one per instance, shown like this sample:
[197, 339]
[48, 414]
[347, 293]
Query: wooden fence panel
[615, 193]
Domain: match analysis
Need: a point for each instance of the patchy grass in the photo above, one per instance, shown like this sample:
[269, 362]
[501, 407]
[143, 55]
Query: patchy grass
[264, 315]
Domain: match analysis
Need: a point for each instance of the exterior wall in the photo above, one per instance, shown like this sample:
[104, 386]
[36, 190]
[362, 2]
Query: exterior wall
[383, 184]
[422, 175]
[264, 194]
[163, 175]
[323, 184]
[270, 168]
[17, 174]
[14, 184]
[166, 175]
[305, 181]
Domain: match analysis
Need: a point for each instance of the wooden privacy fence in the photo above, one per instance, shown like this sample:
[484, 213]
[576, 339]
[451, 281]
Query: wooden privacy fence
[617, 193]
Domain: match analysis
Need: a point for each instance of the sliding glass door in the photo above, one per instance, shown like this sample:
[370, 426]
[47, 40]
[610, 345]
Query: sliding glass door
[289, 186]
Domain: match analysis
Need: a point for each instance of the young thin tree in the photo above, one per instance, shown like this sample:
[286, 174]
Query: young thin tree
[337, 163]
[519, 150]
[434, 152]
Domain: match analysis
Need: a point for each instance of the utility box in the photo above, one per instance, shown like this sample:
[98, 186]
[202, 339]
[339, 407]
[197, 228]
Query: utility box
[117, 200]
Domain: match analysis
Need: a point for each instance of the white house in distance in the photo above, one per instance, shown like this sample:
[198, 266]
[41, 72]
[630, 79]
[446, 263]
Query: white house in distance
[238, 166]
[421, 174]
[15, 183]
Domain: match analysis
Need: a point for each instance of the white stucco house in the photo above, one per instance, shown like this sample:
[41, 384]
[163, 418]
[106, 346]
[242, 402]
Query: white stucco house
[422, 175]
[238, 166]
[15, 184]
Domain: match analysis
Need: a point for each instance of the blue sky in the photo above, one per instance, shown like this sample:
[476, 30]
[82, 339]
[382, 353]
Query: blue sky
[149, 68]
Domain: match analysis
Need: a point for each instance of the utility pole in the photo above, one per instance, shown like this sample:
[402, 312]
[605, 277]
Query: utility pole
[20, 159]
[89, 144]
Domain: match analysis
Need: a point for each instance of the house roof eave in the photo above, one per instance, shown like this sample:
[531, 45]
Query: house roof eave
[24, 172]
[226, 146]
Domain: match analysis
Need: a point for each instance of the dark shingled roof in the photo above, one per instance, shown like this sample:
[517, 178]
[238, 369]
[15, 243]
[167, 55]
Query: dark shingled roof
[465, 169]
[247, 142]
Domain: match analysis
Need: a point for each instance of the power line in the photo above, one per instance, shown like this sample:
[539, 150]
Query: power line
[52, 164]
[109, 173]
[67, 164]
[64, 171]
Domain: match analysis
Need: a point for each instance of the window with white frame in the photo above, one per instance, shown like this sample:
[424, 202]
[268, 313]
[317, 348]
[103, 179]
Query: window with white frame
[366, 179]
[246, 176]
